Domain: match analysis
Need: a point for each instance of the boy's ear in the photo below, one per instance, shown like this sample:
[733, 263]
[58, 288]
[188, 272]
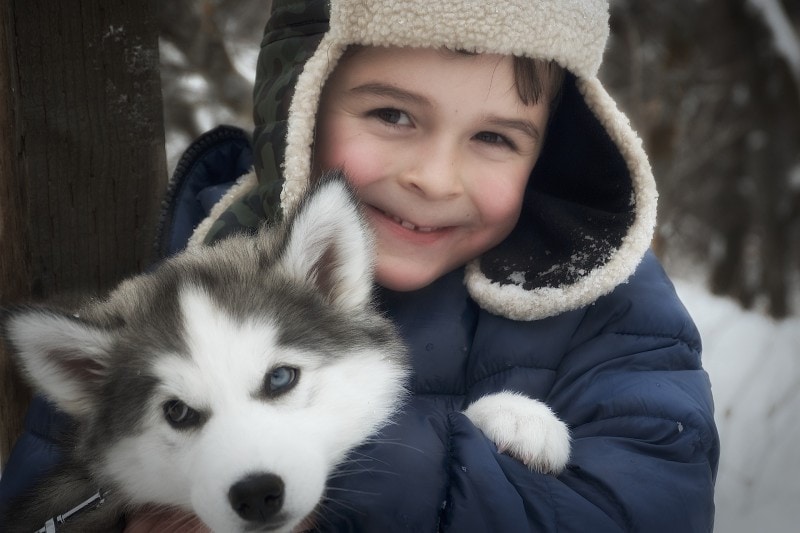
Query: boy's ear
[329, 244]
[62, 356]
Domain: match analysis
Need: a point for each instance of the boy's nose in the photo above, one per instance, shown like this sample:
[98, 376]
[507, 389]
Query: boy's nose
[435, 173]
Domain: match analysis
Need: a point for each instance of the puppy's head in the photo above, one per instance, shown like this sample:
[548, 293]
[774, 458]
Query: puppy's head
[233, 378]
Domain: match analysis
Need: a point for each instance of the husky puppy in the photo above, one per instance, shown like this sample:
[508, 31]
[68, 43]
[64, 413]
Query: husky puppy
[229, 382]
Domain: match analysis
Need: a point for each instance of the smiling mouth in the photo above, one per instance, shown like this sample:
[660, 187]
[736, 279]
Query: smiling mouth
[408, 225]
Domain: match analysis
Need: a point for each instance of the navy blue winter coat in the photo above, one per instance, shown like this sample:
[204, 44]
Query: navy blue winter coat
[624, 373]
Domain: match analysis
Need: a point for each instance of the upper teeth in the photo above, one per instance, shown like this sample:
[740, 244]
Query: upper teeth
[408, 225]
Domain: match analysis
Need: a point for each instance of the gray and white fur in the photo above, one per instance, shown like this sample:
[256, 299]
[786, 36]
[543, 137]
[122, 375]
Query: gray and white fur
[229, 382]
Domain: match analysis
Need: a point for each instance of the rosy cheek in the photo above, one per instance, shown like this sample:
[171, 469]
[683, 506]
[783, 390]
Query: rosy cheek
[361, 164]
[502, 209]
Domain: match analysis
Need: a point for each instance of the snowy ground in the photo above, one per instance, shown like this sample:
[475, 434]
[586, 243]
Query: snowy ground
[754, 364]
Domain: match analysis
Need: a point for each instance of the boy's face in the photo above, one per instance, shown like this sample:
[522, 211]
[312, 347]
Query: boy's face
[439, 148]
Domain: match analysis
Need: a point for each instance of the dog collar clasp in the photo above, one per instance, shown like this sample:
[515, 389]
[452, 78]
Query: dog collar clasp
[93, 502]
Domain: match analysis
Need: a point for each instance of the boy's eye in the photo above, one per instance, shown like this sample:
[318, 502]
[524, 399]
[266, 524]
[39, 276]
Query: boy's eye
[392, 116]
[493, 138]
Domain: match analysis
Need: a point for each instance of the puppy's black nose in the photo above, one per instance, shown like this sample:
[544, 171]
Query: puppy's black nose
[257, 497]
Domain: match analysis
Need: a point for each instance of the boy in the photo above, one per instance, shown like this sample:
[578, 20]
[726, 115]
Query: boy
[512, 227]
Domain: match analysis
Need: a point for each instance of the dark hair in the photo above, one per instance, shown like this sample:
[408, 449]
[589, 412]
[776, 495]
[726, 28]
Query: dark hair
[535, 78]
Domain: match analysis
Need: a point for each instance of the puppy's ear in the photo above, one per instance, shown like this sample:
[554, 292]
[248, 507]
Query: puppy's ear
[329, 244]
[61, 355]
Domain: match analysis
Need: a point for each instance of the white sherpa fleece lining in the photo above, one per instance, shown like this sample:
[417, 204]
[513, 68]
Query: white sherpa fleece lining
[244, 185]
[573, 32]
[512, 301]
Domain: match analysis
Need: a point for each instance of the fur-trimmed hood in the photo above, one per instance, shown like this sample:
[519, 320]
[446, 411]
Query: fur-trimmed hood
[590, 205]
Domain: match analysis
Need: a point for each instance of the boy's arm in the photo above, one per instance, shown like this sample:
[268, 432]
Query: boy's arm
[644, 450]
[645, 447]
[634, 472]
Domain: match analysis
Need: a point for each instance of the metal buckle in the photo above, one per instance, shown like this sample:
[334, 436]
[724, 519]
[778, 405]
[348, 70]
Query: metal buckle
[93, 502]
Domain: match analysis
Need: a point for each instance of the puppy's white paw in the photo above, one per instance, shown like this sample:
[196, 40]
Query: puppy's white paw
[525, 428]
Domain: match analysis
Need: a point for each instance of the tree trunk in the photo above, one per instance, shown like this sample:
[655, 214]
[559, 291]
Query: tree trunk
[14, 240]
[82, 164]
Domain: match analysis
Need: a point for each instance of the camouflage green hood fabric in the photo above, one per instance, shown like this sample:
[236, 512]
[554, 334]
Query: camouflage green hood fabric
[590, 205]
[291, 36]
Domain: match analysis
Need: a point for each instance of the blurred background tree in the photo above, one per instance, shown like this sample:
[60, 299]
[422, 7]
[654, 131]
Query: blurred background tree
[713, 87]
[82, 166]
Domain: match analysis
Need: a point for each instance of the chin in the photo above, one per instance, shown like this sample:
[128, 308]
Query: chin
[403, 285]
[405, 279]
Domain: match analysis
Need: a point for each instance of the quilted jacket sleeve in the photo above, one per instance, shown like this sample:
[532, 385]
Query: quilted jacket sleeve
[36, 452]
[645, 447]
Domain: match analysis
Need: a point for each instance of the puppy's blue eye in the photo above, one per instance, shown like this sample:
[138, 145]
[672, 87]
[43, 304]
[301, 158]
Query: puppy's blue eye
[181, 416]
[281, 379]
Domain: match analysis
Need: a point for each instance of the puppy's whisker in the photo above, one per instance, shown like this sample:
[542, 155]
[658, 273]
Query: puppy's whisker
[341, 504]
[353, 491]
[324, 505]
[344, 474]
[395, 442]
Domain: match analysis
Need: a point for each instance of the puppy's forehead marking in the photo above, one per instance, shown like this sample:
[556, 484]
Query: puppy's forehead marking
[224, 355]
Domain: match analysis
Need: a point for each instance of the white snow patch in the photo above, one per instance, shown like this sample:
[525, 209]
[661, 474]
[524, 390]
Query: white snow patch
[754, 365]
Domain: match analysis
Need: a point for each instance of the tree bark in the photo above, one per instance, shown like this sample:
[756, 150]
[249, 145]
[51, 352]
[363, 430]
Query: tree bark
[14, 238]
[82, 165]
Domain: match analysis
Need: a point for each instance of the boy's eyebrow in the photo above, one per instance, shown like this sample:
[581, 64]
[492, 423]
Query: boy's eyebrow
[525, 127]
[384, 89]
